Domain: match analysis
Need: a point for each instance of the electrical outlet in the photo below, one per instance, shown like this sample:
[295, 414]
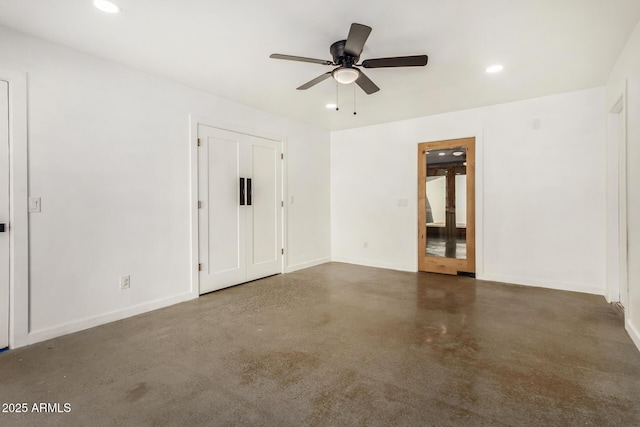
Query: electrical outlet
[125, 282]
[365, 245]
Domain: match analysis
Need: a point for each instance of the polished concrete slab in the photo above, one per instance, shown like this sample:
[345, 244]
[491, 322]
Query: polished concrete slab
[340, 344]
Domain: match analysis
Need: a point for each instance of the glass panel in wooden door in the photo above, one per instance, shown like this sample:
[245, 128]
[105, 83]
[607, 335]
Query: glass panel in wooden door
[446, 194]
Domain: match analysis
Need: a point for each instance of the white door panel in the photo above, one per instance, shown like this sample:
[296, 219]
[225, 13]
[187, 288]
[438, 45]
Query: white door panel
[4, 214]
[239, 237]
[264, 257]
[221, 243]
[224, 218]
[264, 205]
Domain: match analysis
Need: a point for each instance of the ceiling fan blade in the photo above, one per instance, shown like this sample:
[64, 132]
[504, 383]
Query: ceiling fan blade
[366, 84]
[315, 81]
[300, 59]
[398, 61]
[358, 35]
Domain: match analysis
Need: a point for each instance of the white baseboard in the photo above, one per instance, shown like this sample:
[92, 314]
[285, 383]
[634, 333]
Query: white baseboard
[633, 333]
[549, 284]
[307, 264]
[90, 322]
[369, 263]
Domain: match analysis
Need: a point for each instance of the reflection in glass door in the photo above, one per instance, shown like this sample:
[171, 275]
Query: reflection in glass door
[446, 200]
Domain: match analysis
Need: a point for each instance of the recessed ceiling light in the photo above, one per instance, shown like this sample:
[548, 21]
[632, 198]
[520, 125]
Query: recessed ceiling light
[441, 153]
[106, 6]
[331, 106]
[495, 68]
[458, 153]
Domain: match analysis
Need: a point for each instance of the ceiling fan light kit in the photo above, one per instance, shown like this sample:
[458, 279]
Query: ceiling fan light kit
[345, 75]
[346, 54]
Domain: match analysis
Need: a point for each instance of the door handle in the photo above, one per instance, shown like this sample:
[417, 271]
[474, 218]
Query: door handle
[241, 191]
[248, 191]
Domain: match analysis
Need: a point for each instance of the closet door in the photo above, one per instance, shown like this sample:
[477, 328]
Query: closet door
[4, 214]
[264, 224]
[221, 219]
[240, 215]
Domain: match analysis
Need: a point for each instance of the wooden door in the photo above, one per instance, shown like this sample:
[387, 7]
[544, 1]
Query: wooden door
[4, 214]
[446, 206]
[240, 214]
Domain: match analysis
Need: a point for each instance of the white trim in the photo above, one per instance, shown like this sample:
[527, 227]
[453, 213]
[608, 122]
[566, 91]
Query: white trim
[307, 264]
[193, 205]
[18, 217]
[376, 264]
[90, 322]
[233, 127]
[633, 333]
[285, 208]
[194, 121]
[613, 151]
[622, 198]
[479, 179]
[549, 284]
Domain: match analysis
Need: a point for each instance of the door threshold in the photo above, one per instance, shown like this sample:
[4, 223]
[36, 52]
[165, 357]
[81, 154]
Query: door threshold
[467, 274]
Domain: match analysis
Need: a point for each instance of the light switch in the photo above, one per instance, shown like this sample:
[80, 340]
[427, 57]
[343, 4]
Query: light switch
[34, 205]
[403, 203]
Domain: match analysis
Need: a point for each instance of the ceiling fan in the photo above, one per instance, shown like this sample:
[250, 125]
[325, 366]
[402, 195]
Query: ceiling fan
[346, 54]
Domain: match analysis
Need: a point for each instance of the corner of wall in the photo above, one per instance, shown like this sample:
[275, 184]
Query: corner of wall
[633, 332]
[308, 264]
[376, 264]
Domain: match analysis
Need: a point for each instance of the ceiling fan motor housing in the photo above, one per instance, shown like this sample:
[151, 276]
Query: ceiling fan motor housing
[340, 57]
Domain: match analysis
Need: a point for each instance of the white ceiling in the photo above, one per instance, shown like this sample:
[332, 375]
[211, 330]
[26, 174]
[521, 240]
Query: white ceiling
[223, 47]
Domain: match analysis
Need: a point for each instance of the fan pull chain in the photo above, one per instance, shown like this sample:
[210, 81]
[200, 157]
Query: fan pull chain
[337, 90]
[354, 99]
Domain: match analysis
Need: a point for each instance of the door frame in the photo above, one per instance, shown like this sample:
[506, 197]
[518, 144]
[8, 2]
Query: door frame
[448, 265]
[18, 216]
[194, 122]
[617, 201]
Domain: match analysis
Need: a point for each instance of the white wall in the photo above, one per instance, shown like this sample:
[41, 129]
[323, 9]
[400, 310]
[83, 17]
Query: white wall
[109, 155]
[624, 81]
[540, 193]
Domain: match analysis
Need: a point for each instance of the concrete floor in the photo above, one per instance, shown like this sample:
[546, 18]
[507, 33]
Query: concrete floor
[340, 344]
